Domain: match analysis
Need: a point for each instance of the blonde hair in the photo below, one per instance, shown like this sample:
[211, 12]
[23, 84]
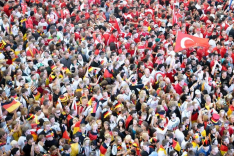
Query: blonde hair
[128, 138]
[94, 124]
[107, 136]
[117, 139]
[99, 121]
[86, 140]
[172, 104]
[46, 123]
[145, 135]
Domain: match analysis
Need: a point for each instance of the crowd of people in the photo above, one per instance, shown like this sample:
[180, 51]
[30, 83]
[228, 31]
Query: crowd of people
[101, 78]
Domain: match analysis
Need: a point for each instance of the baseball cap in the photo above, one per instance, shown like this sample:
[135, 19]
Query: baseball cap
[9, 83]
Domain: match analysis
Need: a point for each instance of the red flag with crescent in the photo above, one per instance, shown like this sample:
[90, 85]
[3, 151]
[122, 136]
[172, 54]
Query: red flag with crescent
[184, 41]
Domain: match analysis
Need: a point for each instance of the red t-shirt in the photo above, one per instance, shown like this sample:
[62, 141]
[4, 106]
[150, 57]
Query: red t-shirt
[178, 88]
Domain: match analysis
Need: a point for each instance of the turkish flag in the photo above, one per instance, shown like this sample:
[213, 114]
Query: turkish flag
[117, 26]
[174, 17]
[184, 41]
[24, 7]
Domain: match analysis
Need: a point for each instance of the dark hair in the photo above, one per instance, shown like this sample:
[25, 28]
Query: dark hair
[29, 137]
[66, 147]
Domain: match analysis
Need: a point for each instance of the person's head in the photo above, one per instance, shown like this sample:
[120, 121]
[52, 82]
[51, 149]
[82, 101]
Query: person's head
[146, 146]
[29, 139]
[47, 125]
[38, 110]
[165, 143]
[94, 126]
[196, 138]
[173, 115]
[53, 150]
[170, 137]
[67, 148]
[67, 55]
[107, 138]
[173, 153]
[15, 152]
[225, 140]
[214, 149]
[73, 112]
[75, 138]
[188, 146]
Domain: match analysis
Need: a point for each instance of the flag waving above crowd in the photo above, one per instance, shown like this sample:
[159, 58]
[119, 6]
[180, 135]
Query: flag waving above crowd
[116, 78]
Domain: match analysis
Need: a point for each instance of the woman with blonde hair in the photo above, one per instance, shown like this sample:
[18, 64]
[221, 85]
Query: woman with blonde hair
[16, 130]
[231, 120]
[117, 148]
[86, 146]
[223, 116]
[92, 134]
[127, 144]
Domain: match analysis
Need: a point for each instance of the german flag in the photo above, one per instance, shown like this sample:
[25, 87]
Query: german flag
[137, 148]
[34, 134]
[69, 117]
[37, 96]
[176, 145]
[76, 127]
[230, 110]
[66, 70]
[118, 105]
[11, 105]
[223, 149]
[107, 74]
[90, 69]
[128, 120]
[91, 100]
[194, 116]
[106, 114]
[2, 44]
[103, 149]
[161, 149]
[54, 67]
[65, 135]
[92, 135]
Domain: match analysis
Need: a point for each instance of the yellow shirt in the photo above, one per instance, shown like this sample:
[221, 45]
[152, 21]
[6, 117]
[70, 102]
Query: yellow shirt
[74, 149]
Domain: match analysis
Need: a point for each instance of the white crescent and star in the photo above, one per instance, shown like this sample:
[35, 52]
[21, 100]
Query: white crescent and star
[183, 41]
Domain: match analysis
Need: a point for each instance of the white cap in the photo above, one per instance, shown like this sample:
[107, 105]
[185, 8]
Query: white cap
[197, 92]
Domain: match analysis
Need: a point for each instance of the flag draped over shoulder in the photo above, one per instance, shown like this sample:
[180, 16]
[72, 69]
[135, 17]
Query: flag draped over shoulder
[77, 127]
[223, 149]
[103, 149]
[176, 145]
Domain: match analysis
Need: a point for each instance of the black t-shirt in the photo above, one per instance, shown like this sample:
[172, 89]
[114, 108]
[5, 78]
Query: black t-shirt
[60, 119]
[230, 75]
[27, 149]
[48, 144]
[95, 64]
[56, 96]
[225, 81]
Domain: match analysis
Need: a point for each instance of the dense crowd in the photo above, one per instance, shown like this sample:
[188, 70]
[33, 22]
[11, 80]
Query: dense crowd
[102, 78]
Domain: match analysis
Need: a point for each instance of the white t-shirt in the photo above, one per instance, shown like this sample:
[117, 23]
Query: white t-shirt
[21, 141]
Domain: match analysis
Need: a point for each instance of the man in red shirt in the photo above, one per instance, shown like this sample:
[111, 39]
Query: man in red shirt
[178, 86]
[216, 57]
[226, 127]
[113, 38]
[31, 50]
[8, 7]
